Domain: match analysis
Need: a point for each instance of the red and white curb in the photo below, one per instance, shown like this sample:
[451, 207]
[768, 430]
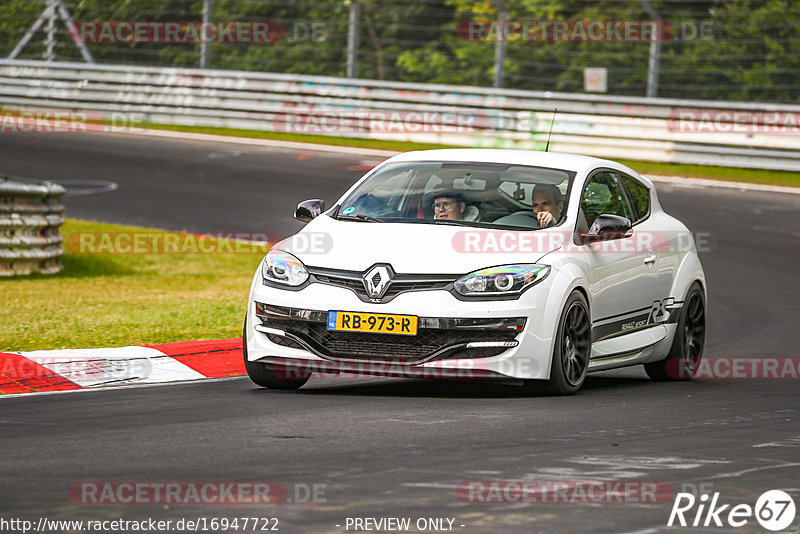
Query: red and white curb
[78, 369]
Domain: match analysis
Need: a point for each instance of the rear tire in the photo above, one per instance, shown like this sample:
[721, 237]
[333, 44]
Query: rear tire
[686, 352]
[268, 376]
[572, 348]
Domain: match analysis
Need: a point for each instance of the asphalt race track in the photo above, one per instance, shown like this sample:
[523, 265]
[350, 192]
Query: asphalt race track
[400, 448]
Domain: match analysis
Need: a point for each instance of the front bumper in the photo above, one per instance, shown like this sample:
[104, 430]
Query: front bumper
[437, 338]
[508, 338]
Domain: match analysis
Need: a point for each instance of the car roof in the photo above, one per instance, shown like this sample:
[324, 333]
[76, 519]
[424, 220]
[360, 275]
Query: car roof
[558, 160]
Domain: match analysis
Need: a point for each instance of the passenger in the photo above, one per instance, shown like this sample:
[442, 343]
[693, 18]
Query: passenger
[547, 204]
[448, 205]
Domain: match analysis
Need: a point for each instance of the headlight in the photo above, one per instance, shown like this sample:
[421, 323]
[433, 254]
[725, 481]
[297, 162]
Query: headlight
[503, 280]
[283, 268]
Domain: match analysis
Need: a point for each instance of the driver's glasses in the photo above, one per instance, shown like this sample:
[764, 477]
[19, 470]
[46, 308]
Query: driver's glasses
[443, 206]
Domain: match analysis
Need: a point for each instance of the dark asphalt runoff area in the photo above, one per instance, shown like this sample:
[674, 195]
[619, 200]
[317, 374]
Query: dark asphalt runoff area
[402, 448]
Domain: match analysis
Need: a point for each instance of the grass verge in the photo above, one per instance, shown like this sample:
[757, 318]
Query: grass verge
[731, 174]
[103, 298]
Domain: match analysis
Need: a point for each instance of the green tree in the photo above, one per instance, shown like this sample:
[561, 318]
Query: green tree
[753, 54]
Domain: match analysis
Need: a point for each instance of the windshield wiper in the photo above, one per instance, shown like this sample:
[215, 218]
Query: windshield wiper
[359, 217]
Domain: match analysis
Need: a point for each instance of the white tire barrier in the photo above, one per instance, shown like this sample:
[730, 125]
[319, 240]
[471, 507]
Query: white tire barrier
[30, 217]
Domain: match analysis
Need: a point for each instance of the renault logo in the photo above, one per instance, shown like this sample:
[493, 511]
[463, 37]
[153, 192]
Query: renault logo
[376, 280]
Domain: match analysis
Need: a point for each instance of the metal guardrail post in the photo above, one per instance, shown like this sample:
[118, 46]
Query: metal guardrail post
[352, 38]
[208, 10]
[654, 58]
[30, 217]
[500, 44]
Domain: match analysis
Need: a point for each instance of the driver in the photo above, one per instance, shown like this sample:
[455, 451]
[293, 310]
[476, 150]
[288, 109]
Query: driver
[547, 204]
[448, 205]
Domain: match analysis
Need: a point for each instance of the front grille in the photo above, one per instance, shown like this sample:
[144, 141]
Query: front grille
[353, 284]
[399, 284]
[401, 287]
[387, 347]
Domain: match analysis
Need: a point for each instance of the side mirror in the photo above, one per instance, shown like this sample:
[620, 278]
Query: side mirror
[308, 209]
[607, 227]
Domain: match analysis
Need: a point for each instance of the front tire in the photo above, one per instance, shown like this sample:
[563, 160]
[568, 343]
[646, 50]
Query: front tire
[686, 352]
[572, 348]
[265, 375]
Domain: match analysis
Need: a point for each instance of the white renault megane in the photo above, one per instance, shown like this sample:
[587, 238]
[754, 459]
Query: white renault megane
[530, 266]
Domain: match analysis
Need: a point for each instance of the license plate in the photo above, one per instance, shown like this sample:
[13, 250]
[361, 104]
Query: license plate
[377, 323]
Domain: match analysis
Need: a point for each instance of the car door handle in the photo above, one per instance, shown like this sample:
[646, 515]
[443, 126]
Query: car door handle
[650, 260]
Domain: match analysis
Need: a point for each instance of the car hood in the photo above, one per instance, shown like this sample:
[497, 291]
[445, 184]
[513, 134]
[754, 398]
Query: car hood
[413, 248]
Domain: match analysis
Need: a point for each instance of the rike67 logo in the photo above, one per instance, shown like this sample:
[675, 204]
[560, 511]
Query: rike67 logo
[774, 510]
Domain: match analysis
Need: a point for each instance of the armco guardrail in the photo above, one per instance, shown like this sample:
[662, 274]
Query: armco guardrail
[30, 217]
[753, 135]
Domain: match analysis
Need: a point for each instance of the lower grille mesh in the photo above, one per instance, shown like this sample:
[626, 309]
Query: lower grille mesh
[386, 347]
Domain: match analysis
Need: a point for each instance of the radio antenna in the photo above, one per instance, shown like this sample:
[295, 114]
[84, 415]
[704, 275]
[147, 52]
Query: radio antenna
[547, 147]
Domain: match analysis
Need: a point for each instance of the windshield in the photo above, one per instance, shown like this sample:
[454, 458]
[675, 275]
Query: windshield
[471, 194]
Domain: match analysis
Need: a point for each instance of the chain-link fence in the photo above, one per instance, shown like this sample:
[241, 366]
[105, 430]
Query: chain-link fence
[721, 50]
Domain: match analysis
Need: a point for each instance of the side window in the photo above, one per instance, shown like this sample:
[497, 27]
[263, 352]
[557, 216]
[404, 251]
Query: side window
[603, 194]
[433, 182]
[639, 195]
[392, 189]
[382, 197]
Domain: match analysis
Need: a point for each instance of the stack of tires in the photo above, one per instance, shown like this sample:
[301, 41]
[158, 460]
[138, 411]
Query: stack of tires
[31, 214]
